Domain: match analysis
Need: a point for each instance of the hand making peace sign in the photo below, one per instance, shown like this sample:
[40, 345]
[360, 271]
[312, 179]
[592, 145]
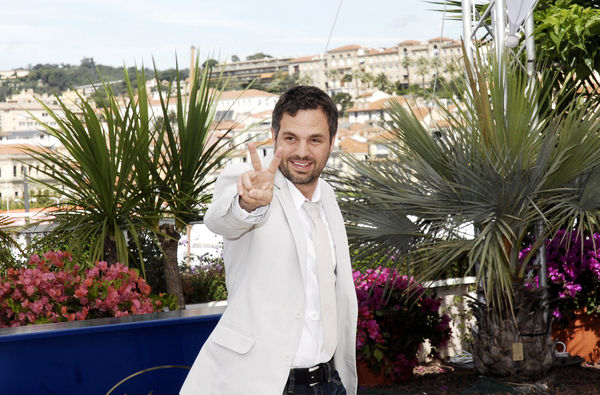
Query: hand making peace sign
[255, 187]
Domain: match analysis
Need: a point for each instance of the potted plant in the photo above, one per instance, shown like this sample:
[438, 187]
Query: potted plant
[476, 189]
[395, 316]
[573, 262]
[49, 289]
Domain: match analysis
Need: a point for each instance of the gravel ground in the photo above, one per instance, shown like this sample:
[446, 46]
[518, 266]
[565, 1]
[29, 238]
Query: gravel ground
[438, 378]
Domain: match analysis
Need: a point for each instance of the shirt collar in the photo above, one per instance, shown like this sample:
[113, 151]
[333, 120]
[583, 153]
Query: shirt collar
[298, 198]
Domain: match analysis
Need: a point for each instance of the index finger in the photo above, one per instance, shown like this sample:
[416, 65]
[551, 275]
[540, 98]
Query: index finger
[254, 157]
[276, 160]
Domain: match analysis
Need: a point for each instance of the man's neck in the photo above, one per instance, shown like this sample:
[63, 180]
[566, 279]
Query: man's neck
[308, 190]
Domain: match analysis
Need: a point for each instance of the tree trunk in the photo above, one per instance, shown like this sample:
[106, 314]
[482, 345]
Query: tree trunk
[169, 243]
[497, 340]
[110, 250]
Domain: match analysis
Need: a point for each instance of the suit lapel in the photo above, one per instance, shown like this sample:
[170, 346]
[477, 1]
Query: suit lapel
[282, 194]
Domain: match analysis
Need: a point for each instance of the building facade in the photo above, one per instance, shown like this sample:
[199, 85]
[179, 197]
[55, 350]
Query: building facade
[355, 69]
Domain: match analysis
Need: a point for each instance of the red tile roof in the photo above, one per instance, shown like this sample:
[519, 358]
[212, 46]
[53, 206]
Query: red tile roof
[438, 39]
[383, 51]
[304, 59]
[353, 146]
[378, 105]
[351, 47]
[12, 149]
[409, 42]
[238, 94]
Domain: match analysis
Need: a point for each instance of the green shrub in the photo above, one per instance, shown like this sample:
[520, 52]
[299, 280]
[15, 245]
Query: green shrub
[203, 279]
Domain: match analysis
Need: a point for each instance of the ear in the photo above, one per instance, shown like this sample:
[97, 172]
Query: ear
[332, 143]
[273, 136]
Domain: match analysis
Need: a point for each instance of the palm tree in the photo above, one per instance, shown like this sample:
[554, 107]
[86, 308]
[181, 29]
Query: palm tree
[504, 165]
[406, 63]
[422, 64]
[94, 174]
[138, 169]
[7, 230]
[183, 164]
[382, 83]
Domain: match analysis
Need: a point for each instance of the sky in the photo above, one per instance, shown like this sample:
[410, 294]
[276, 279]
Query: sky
[133, 32]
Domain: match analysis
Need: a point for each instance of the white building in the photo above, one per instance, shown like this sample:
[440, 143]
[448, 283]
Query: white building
[354, 68]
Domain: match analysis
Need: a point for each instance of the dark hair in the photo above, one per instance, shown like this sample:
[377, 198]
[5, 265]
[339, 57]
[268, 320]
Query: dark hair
[305, 98]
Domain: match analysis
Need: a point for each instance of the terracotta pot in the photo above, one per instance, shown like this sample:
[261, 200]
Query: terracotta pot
[369, 378]
[582, 336]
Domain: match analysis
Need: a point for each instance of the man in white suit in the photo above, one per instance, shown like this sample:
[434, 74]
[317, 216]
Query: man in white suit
[273, 337]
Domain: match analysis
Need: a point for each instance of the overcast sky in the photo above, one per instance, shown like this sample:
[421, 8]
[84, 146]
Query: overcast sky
[118, 32]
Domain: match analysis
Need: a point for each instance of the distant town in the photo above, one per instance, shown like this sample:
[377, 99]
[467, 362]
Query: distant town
[361, 80]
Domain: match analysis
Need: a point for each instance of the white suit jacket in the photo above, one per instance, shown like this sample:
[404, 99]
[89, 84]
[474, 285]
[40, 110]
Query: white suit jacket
[251, 349]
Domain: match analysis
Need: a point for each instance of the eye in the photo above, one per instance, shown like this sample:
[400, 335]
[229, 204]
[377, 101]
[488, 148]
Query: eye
[316, 141]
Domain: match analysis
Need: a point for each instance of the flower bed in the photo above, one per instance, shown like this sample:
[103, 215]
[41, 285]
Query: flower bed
[392, 323]
[48, 289]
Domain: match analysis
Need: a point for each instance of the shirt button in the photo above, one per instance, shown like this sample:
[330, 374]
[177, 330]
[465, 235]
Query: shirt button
[313, 315]
[299, 315]
[287, 357]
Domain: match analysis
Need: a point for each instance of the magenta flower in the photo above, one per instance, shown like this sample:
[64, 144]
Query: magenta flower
[392, 325]
[573, 273]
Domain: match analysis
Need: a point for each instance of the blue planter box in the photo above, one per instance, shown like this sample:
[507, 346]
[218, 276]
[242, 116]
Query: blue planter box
[144, 354]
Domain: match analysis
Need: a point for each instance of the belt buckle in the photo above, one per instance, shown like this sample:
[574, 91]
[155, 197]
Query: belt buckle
[313, 376]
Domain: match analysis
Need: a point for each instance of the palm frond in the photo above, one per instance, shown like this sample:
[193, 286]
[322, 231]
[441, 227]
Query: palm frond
[504, 164]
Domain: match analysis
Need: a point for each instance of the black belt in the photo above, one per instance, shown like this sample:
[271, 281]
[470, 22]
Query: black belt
[320, 373]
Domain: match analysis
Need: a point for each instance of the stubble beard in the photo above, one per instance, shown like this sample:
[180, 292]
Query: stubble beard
[303, 179]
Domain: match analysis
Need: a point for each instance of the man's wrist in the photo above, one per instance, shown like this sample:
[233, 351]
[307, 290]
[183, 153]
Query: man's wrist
[247, 207]
[254, 216]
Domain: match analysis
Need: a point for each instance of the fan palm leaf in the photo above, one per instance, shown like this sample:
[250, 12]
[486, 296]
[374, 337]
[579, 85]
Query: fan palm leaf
[94, 174]
[503, 164]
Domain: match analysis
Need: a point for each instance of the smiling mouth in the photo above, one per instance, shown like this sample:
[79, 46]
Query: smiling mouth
[301, 164]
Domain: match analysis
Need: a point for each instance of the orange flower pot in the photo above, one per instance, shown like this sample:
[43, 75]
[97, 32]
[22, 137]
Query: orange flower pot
[582, 336]
[369, 378]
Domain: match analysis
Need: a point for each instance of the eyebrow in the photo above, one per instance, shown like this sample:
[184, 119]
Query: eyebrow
[284, 132]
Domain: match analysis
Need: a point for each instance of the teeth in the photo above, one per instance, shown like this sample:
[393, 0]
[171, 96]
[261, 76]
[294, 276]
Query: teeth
[301, 164]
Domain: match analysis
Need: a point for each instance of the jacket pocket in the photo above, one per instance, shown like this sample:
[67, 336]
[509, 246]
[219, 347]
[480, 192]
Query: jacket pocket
[232, 339]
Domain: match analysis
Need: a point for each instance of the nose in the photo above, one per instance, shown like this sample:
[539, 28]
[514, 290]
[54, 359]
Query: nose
[303, 149]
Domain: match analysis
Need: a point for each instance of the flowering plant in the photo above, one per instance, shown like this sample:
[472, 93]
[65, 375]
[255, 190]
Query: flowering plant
[47, 290]
[573, 267]
[393, 323]
[204, 281]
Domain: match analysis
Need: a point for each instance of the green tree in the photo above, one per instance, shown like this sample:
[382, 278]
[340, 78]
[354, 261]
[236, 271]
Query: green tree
[210, 63]
[135, 170]
[383, 83]
[407, 62]
[235, 58]
[95, 177]
[182, 166]
[567, 34]
[258, 55]
[344, 100]
[502, 167]
[422, 64]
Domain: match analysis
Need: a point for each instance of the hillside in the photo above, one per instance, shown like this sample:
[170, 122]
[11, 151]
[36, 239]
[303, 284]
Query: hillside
[55, 79]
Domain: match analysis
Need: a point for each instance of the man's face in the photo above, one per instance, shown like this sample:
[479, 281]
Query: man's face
[306, 147]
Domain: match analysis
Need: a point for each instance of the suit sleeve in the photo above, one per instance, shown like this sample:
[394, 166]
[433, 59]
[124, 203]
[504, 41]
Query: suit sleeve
[221, 217]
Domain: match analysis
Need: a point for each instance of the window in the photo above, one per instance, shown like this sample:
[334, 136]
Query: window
[17, 193]
[14, 171]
